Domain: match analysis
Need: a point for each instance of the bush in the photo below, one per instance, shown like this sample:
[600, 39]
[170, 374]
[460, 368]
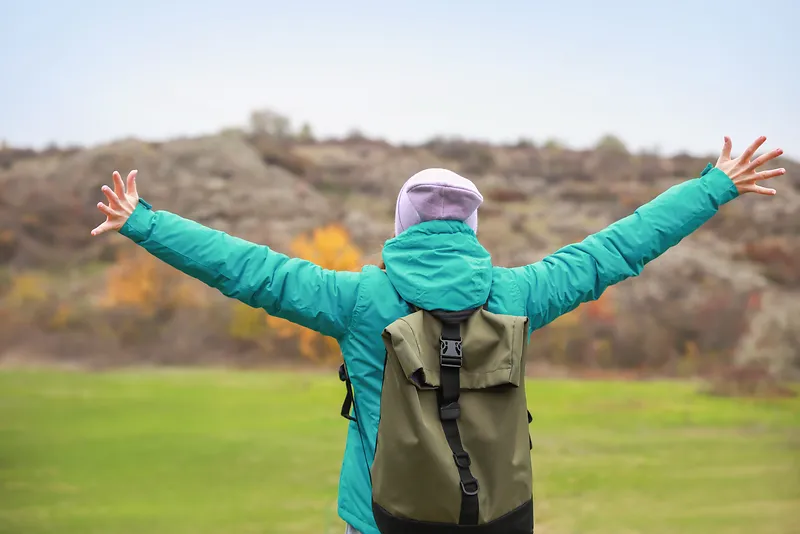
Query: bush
[506, 194]
[747, 381]
[472, 158]
[611, 143]
[780, 257]
[279, 153]
[330, 247]
[140, 282]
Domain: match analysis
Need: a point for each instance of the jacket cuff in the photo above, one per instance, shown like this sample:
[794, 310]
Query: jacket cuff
[138, 225]
[720, 186]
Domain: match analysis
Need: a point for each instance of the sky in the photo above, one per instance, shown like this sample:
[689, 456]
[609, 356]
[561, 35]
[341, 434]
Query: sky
[671, 75]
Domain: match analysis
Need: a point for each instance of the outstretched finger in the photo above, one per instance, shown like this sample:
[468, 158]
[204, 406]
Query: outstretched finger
[727, 145]
[106, 210]
[132, 183]
[763, 158]
[764, 190]
[755, 188]
[107, 226]
[119, 187]
[766, 175]
[748, 153]
[113, 199]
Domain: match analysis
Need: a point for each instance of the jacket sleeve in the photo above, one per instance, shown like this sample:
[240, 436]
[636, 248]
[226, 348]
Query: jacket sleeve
[293, 289]
[581, 272]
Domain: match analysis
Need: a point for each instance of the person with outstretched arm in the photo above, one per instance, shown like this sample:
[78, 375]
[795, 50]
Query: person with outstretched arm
[435, 261]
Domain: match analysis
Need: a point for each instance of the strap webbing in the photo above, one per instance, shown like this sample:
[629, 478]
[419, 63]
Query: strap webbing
[530, 440]
[450, 361]
[347, 405]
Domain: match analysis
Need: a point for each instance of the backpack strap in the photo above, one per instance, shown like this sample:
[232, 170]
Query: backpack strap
[530, 440]
[347, 405]
[450, 362]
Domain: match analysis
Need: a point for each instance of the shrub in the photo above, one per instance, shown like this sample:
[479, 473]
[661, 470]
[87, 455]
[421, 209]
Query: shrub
[473, 158]
[330, 247]
[140, 282]
[30, 303]
[276, 152]
[611, 143]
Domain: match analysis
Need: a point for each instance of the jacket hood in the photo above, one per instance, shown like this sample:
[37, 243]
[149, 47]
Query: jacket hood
[439, 265]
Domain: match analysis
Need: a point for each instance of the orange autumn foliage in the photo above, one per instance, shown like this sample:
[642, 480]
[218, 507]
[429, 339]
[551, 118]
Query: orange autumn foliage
[330, 247]
[27, 288]
[602, 310]
[140, 281]
[573, 336]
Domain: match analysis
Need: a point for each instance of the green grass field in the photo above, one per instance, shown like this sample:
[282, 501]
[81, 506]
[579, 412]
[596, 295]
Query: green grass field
[216, 452]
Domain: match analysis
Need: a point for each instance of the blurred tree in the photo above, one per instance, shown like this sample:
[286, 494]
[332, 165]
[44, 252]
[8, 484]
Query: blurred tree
[525, 142]
[31, 300]
[306, 134]
[611, 143]
[27, 288]
[139, 281]
[602, 310]
[581, 337]
[330, 247]
[267, 122]
[8, 242]
[247, 324]
[553, 144]
[63, 317]
[355, 135]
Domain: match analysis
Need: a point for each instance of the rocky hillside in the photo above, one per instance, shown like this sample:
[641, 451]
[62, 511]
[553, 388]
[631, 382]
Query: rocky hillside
[732, 289]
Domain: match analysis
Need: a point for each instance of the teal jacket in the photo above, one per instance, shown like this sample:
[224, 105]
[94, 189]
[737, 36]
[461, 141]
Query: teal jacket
[437, 264]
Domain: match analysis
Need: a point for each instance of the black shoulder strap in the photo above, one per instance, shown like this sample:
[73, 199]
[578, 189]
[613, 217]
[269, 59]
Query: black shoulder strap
[530, 440]
[450, 362]
[347, 405]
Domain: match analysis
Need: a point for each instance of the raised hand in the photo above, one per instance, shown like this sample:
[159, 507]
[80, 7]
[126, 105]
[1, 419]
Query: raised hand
[744, 170]
[121, 203]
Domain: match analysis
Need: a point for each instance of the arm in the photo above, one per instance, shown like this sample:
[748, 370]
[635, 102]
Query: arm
[290, 288]
[293, 289]
[582, 271]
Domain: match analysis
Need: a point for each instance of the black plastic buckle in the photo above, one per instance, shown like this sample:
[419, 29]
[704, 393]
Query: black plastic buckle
[342, 373]
[450, 412]
[470, 487]
[454, 362]
[462, 459]
[450, 352]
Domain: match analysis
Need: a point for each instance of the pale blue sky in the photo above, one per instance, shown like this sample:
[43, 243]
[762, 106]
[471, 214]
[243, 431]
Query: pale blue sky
[674, 74]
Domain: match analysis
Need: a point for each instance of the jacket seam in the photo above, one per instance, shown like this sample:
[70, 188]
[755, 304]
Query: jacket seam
[351, 316]
[519, 298]
[359, 306]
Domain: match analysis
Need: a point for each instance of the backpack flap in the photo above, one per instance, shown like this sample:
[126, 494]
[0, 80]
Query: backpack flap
[495, 344]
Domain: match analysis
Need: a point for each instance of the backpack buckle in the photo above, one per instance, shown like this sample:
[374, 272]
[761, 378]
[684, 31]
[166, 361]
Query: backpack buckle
[450, 412]
[470, 487]
[462, 459]
[451, 361]
[450, 353]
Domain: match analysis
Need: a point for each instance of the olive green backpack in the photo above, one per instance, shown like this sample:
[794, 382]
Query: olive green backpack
[453, 448]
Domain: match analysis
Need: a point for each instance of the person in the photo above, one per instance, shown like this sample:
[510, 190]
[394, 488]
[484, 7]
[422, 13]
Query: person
[435, 261]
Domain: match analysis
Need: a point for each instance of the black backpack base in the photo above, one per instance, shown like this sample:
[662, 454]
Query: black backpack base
[519, 521]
